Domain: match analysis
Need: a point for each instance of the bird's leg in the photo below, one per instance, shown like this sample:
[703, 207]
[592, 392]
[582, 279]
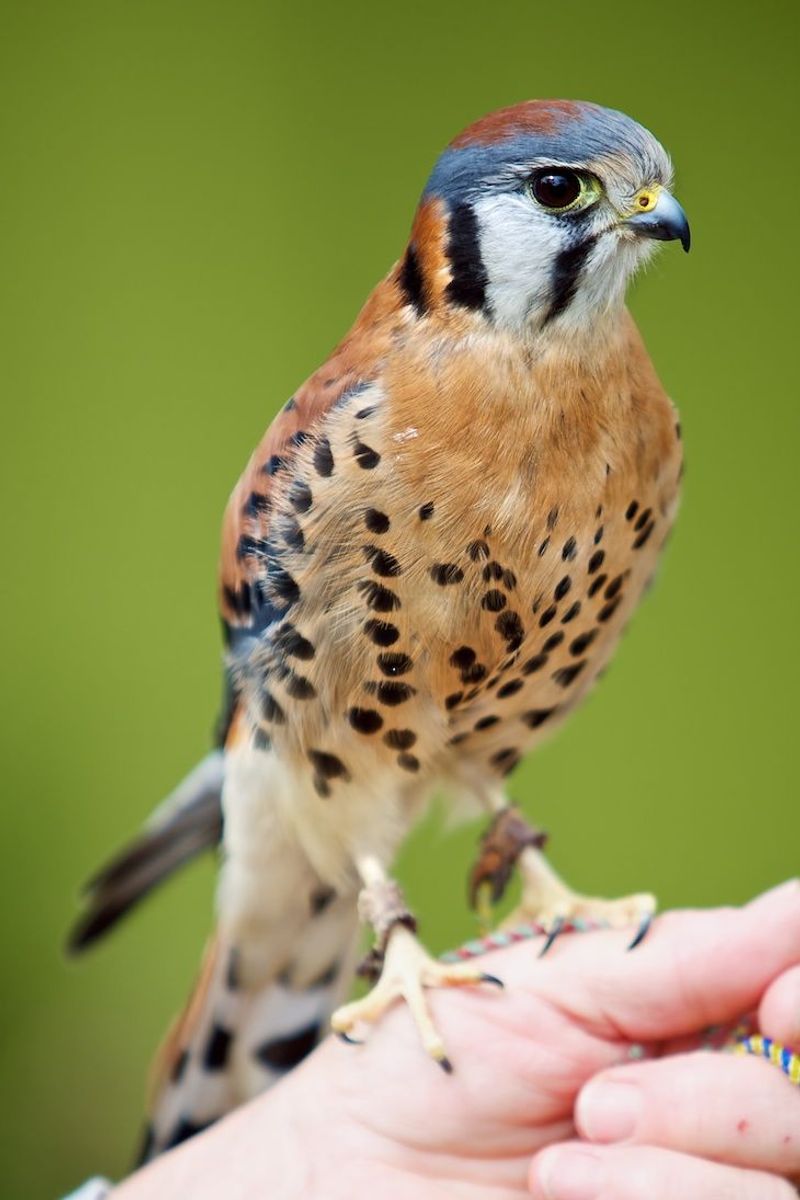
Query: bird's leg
[546, 900]
[406, 968]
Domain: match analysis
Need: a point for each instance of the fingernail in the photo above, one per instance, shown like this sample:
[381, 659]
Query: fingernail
[570, 1175]
[608, 1112]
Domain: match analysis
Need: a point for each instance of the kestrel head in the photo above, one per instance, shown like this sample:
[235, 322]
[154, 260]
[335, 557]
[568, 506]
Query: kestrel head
[543, 212]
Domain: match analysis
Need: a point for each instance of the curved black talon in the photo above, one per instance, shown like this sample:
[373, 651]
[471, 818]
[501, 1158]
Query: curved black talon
[642, 931]
[493, 979]
[555, 929]
[445, 1064]
[345, 1037]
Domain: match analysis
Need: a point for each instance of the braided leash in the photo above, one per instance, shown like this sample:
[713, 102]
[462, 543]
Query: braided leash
[743, 1041]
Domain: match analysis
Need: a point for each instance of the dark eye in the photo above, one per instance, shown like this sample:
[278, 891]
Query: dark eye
[556, 189]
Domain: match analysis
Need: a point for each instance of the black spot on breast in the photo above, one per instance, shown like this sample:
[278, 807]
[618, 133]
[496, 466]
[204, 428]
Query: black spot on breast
[217, 1048]
[408, 762]
[478, 550]
[492, 570]
[537, 717]
[400, 739]
[553, 641]
[446, 573]
[365, 720]
[598, 537]
[426, 511]
[287, 640]
[564, 676]
[494, 601]
[321, 899]
[509, 626]
[571, 613]
[569, 550]
[474, 674]
[534, 664]
[378, 597]
[644, 517]
[582, 642]
[464, 656]
[300, 688]
[365, 456]
[323, 457]
[510, 689]
[457, 739]
[552, 518]
[453, 700]
[644, 536]
[631, 510]
[271, 709]
[547, 616]
[381, 632]
[395, 663]
[614, 587]
[382, 562]
[509, 579]
[394, 693]
[543, 547]
[596, 584]
[363, 413]
[487, 722]
[292, 534]
[329, 766]
[281, 1054]
[608, 610]
[596, 561]
[562, 587]
[505, 759]
[376, 522]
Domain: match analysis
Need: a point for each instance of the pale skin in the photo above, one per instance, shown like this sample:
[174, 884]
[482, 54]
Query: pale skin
[546, 1099]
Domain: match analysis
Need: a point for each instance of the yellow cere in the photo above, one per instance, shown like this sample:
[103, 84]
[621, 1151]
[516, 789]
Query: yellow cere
[645, 200]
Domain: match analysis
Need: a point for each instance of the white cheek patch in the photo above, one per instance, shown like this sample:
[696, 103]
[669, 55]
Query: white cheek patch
[519, 246]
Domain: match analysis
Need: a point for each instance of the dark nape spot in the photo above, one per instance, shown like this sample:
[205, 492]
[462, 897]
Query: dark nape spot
[614, 587]
[323, 457]
[598, 537]
[250, 547]
[271, 709]
[554, 640]
[299, 438]
[509, 626]
[571, 613]
[487, 722]
[400, 739]
[506, 759]
[426, 511]
[494, 601]
[537, 717]
[395, 663]
[321, 899]
[179, 1067]
[365, 456]
[381, 632]
[394, 693]
[569, 550]
[544, 546]
[283, 585]
[453, 700]
[261, 740]
[534, 664]
[644, 536]
[564, 676]
[378, 597]
[463, 657]
[257, 504]
[376, 522]
[596, 584]
[292, 534]
[412, 281]
[329, 766]
[446, 573]
[281, 1054]
[382, 562]
[365, 720]
[184, 1130]
[287, 640]
[562, 587]
[547, 615]
[608, 610]
[596, 561]
[274, 464]
[491, 571]
[582, 642]
[217, 1048]
[510, 689]
[478, 550]
[631, 510]
[408, 762]
[300, 688]
[552, 518]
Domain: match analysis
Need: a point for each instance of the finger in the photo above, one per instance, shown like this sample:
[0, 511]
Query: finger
[575, 1171]
[695, 969]
[779, 1012]
[741, 1111]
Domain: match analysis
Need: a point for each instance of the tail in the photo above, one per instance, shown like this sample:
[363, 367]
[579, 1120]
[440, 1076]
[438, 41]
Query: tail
[188, 822]
[234, 1039]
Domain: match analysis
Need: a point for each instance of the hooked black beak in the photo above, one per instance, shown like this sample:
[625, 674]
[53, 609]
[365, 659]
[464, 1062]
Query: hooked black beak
[666, 222]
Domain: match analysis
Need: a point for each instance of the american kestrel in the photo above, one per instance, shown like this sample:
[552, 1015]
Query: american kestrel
[426, 564]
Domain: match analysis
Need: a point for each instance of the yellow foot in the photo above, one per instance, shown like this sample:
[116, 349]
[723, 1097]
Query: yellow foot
[547, 901]
[407, 970]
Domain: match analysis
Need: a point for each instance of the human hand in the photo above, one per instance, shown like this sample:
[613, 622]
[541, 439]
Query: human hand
[380, 1120]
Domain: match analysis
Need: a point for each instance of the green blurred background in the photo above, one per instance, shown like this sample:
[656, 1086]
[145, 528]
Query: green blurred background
[195, 200]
